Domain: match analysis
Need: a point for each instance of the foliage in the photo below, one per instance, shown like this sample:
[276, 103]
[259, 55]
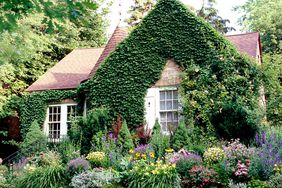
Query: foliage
[35, 105]
[122, 80]
[124, 139]
[3, 176]
[231, 184]
[35, 140]
[139, 10]
[159, 141]
[96, 178]
[47, 176]
[275, 181]
[256, 184]
[264, 16]
[180, 137]
[214, 155]
[272, 67]
[39, 41]
[14, 10]
[210, 14]
[268, 153]
[95, 121]
[234, 121]
[50, 158]
[68, 150]
[76, 166]
[153, 175]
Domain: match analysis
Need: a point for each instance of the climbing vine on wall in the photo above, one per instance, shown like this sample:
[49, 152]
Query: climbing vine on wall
[215, 73]
[35, 104]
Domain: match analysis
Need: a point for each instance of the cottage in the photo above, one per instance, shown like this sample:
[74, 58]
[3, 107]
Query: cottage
[161, 99]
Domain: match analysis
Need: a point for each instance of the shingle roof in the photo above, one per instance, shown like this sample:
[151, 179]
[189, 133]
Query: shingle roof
[246, 42]
[82, 64]
[69, 72]
[118, 35]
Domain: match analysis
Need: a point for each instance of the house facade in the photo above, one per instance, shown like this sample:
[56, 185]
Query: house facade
[161, 101]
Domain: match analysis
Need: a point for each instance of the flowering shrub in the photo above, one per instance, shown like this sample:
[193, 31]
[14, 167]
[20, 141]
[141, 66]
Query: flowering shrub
[214, 155]
[200, 176]
[97, 158]
[99, 177]
[182, 154]
[241, 172]
[142, 152]
[277, 168]
[268, 153]
[186, 162]
[235, 150]
[156, 174]
[77, 165]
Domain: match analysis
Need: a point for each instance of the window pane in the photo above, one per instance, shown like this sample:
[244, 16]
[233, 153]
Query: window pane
[163, 116]
[162, 95]
[175, 95]
[169, 117]
[169, 95]
[175, 104]
[169, 105]
[162, 105]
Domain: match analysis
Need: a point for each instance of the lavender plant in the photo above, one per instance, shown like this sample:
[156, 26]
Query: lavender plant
[77, 165]
[268, 153]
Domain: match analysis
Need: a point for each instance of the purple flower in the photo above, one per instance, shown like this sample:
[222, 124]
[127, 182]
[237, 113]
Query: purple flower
[77, 164]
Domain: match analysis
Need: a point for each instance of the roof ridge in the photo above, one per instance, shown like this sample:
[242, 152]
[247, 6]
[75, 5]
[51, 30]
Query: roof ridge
[247, 33]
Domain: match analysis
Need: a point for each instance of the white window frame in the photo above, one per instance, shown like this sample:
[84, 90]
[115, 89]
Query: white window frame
[63, 120]
[166, 131]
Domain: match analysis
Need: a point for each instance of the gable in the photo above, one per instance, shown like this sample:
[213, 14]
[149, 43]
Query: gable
[169, 32]
[69, 72]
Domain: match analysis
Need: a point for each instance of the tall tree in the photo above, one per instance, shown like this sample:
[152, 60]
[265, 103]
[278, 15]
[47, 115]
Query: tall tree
[140, 8]
[265, 16]
[29, 49]
[13, 10]
[210, 14]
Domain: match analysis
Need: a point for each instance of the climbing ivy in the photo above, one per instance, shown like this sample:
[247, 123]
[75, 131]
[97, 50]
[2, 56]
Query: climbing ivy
[215, 73]
[35, 104]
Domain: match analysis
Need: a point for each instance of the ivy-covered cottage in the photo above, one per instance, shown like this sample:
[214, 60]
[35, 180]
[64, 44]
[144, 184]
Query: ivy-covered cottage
[142, 75]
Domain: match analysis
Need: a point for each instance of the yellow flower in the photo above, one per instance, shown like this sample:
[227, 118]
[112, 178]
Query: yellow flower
[152, 154]
[137, 154]
[144, 156]
[169, 150]
[131, 151]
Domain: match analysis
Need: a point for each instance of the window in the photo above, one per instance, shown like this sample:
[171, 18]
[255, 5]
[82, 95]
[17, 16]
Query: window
[168, 109]
[58, 120]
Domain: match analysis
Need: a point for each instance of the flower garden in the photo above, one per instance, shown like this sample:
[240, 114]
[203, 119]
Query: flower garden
[119, 158]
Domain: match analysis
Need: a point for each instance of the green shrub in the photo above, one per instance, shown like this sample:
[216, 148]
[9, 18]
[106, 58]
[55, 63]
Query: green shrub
[94, 179]
[34, 141]
[44, 177]
[256, 184]
[275, 181]
[234, 122]
[181, 138]
[186, 163]
[159, 141]
[68, 150]
[124, 139]
[95, 121]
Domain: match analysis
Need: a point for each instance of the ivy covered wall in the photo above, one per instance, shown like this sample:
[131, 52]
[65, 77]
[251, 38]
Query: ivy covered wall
[34, 106]
[216, 74]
